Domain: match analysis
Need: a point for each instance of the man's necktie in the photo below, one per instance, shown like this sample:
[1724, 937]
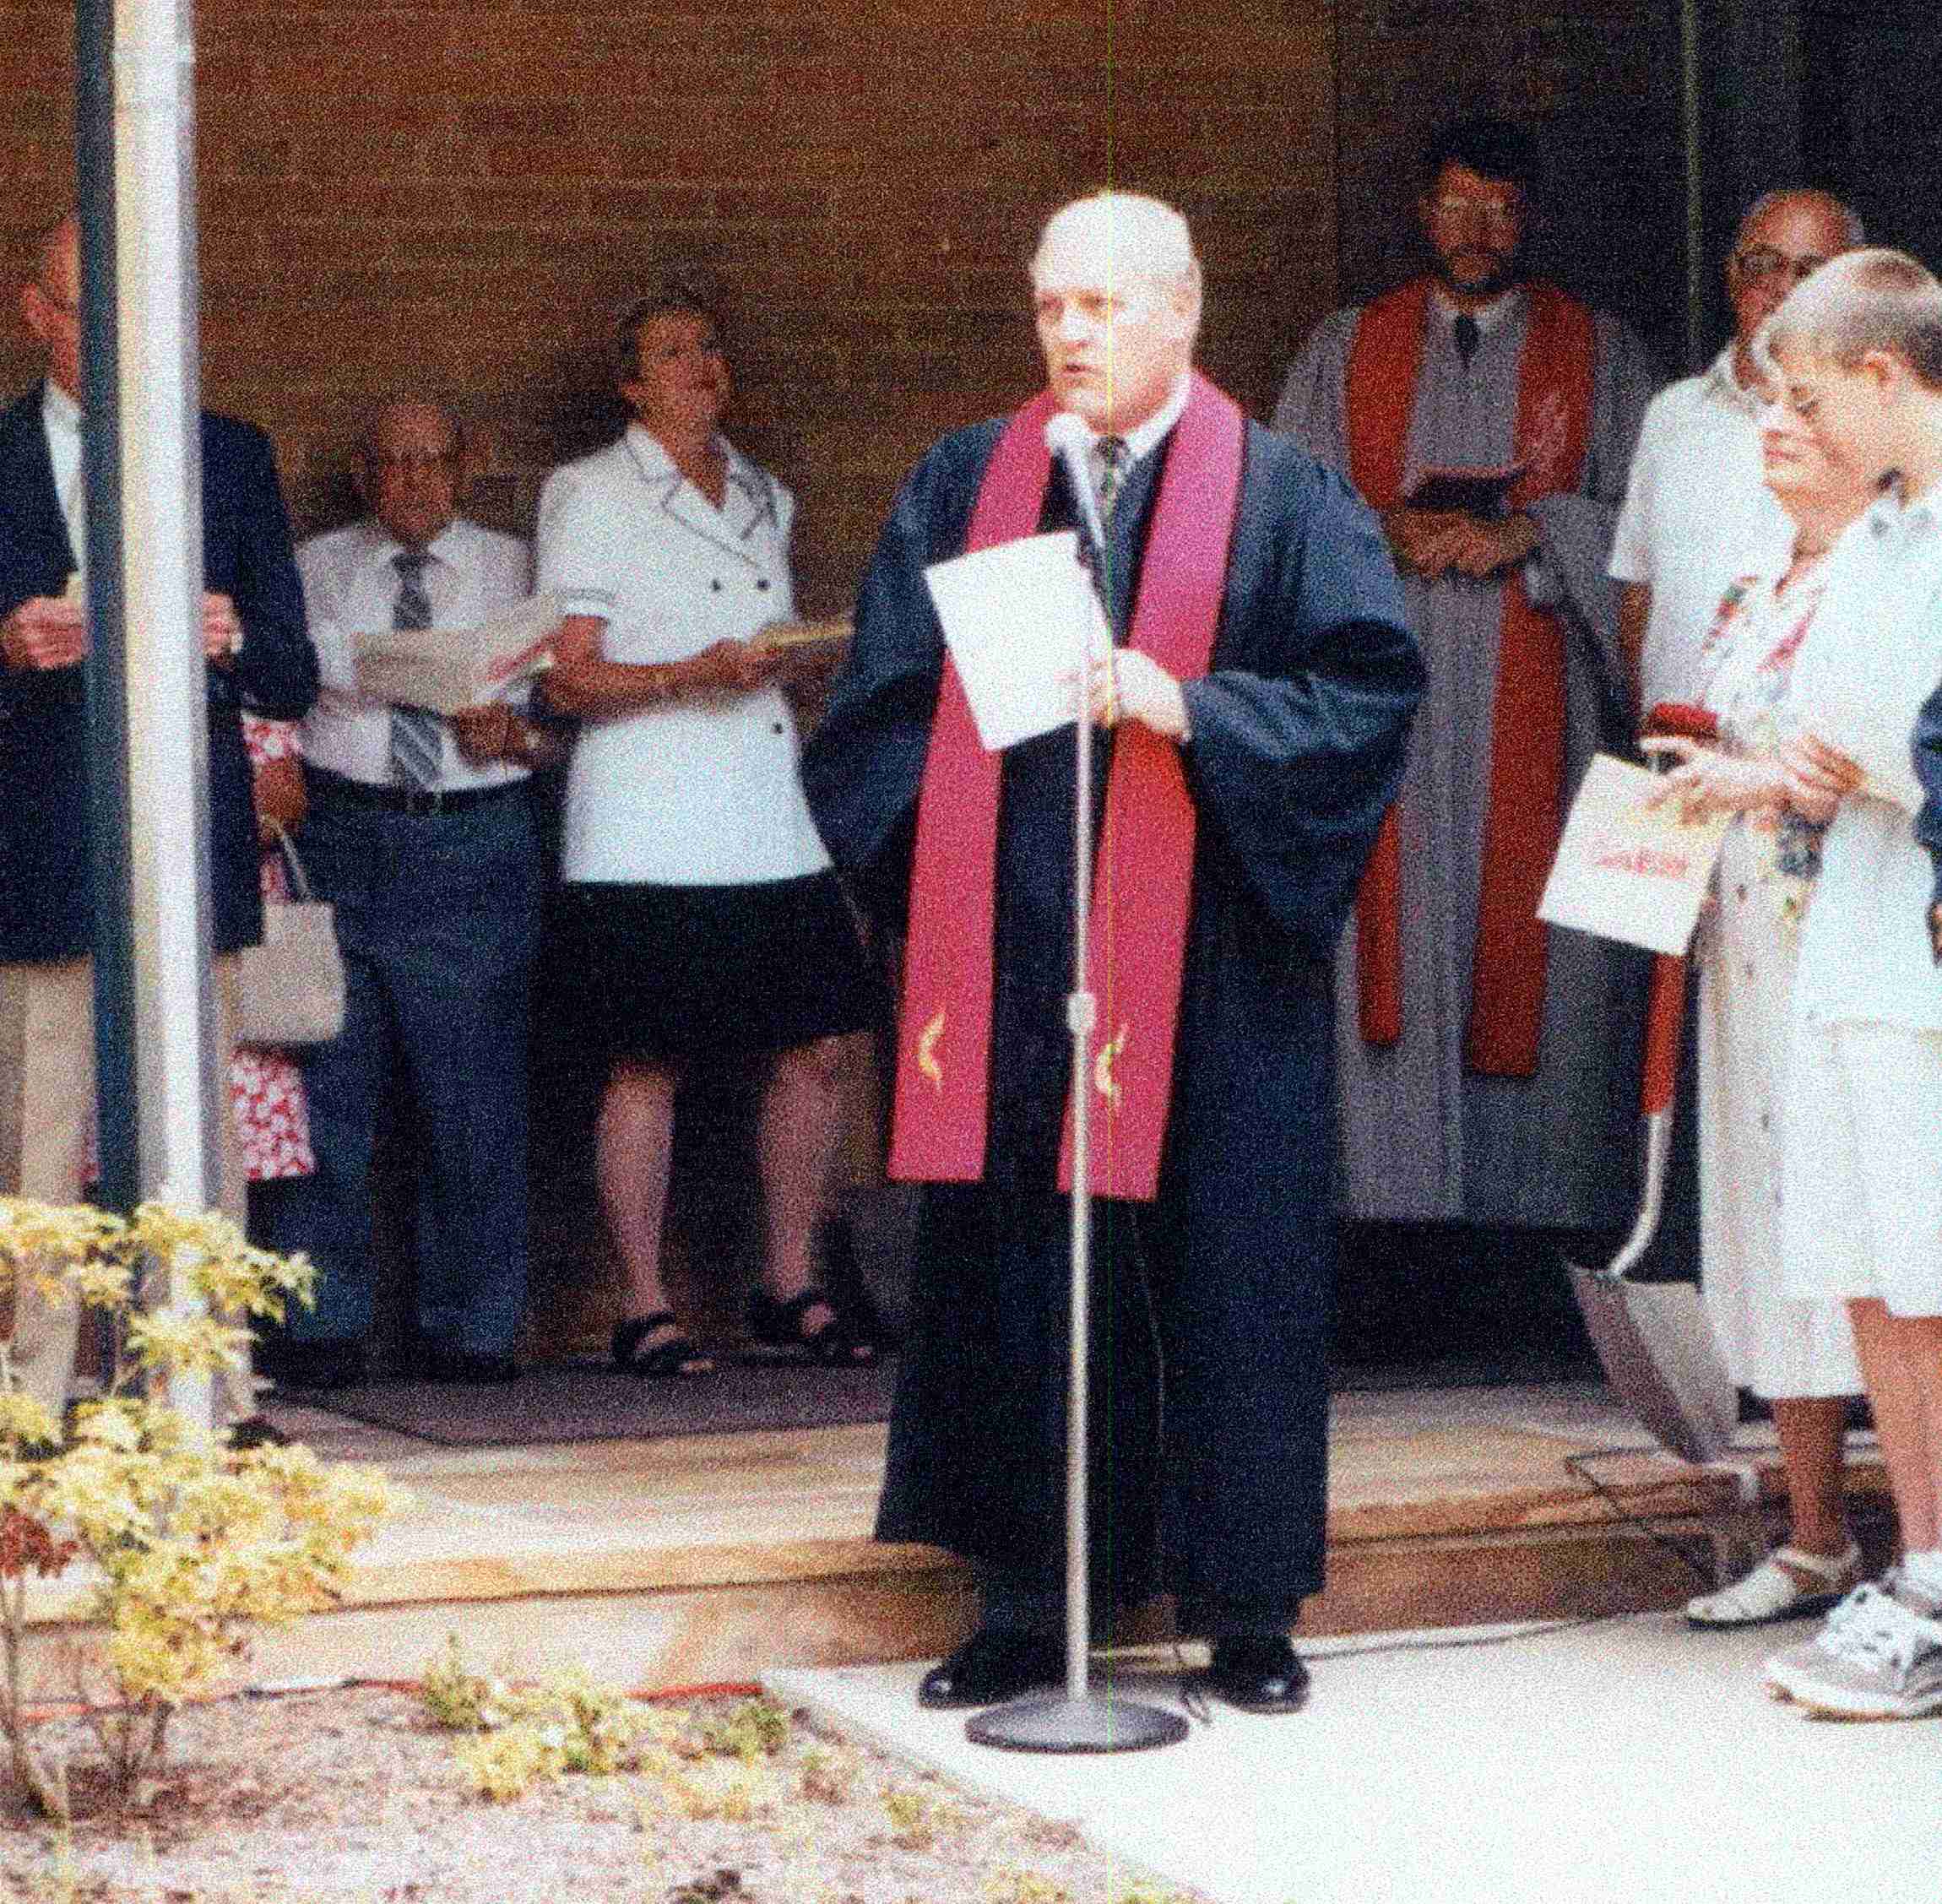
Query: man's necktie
[1467, 334]
[1108, 459]
[417, 735]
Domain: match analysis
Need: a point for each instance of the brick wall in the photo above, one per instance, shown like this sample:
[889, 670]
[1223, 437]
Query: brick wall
[460, 195]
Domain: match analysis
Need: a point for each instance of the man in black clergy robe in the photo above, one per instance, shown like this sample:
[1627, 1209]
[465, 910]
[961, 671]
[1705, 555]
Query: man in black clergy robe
[1212, 1297]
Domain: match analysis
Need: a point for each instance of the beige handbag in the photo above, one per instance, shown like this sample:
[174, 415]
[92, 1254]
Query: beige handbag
[292, 986]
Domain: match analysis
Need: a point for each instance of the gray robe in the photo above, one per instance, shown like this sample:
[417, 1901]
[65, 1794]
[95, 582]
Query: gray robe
[1424, 1138]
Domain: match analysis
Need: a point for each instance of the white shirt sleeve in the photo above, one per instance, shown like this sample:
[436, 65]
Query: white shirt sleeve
[1631, 559]
[575, 545]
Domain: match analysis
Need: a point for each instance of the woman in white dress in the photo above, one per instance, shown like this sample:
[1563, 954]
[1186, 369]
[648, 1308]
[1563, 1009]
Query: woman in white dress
[699, 912]
[1799, 1357]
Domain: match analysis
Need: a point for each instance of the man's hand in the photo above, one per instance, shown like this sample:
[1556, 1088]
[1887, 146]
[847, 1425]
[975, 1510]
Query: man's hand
[45, 631]
[1416, 537]
[1481, 549]
[1433, 542]
[1818, 776]
[1126, 685]
[492, 731]
[731, 667]
[222, 629]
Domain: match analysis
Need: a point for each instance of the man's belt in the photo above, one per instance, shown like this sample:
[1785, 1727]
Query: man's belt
[422, 802]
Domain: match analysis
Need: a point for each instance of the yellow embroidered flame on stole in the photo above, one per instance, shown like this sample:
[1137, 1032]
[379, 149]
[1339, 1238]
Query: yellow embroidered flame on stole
[1104, 1082]
[927, 1042]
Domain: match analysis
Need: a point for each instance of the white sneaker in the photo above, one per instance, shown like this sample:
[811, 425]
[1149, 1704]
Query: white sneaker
[1916, 1597]
[1874, 1659]
[1775, 1591]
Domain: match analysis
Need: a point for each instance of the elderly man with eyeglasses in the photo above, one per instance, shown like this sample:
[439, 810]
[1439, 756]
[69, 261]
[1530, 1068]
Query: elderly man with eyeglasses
[1488, 1084]
[1697, 511]
[420, 831]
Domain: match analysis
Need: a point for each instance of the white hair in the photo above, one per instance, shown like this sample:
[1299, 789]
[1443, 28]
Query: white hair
[1860, 302]
[1142, 235]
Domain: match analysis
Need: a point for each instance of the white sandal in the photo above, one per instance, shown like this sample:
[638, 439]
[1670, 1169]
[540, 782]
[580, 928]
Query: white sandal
[1771, 1593]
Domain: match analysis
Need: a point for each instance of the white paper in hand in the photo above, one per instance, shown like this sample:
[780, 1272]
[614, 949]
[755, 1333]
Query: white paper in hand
[447, 669]
[1629, 872]
[1014, 617]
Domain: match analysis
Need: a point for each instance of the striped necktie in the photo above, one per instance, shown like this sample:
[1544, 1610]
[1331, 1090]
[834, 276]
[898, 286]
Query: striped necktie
[1110, 459]
[417, 735]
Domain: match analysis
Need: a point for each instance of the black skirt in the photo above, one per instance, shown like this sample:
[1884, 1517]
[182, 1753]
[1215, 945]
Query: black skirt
[695, 971]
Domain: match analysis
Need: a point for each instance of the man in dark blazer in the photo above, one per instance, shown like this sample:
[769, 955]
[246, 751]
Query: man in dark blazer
[258, 656]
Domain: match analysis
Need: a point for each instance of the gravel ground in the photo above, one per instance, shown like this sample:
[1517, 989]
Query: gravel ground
[354, 1797]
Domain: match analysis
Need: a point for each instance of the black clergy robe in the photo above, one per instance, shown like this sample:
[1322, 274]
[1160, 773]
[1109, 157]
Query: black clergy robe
[1208, 1479]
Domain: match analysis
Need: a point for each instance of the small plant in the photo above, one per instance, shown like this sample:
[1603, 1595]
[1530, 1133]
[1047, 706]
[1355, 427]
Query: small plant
[757, 1728]
[827, 1774]
[918, 1818]
[564, 1724]
[505, 1764]
[455, 1697]
[196, 1545]
[735, 1794]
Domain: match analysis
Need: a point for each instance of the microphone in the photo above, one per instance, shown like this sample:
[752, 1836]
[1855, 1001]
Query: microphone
[1068, 439]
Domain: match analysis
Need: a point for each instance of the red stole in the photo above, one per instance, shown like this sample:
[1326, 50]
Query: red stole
[1143, 871]
[1525, 812]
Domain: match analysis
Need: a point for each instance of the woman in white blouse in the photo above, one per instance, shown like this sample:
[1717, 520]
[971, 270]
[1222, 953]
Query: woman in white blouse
[700, 914]
[1797, 1356]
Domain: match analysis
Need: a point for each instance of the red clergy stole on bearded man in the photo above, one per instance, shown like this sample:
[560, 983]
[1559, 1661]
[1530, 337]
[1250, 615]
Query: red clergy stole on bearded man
[1524, 814]
[1143, 870]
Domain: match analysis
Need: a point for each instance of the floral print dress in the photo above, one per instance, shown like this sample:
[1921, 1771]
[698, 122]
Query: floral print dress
[1747, 949]
[266, 1088]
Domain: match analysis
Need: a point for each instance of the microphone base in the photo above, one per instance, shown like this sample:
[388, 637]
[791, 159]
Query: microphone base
[1099, 1723]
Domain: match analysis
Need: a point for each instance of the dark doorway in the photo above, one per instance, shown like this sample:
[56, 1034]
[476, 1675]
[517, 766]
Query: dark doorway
[1868, 127]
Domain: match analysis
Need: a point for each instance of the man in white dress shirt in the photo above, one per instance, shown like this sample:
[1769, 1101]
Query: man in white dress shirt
[422, 834]
[1697, 513]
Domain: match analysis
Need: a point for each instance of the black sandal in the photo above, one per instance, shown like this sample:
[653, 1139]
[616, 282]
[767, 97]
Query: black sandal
[674, 1356]
[779, 1325]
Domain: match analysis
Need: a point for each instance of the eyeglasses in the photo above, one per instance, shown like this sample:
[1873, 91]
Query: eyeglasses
[1759, 262]
[1503, 213]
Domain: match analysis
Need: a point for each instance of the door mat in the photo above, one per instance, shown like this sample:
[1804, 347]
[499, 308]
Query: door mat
[593, 1402]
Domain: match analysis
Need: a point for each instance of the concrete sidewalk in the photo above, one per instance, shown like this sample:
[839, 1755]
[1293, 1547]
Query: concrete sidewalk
[1627, 1762]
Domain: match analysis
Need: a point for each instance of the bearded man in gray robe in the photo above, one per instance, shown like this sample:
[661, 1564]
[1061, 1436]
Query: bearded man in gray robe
[1489, 1063]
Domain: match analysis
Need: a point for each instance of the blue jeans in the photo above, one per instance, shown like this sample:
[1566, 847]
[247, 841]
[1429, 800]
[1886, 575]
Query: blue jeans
[438, 918]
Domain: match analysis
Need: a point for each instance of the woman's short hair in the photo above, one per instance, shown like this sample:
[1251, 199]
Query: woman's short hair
[686, 291]
[1865, 301]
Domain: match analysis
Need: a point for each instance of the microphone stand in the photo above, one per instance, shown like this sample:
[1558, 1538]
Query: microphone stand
[1082, 1719]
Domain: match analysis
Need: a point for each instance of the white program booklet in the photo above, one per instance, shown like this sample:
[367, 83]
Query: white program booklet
[1014, 617]
[447, 669]
[1629, 872]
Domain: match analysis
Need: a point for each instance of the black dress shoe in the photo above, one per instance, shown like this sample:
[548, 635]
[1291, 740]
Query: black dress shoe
[474, 1368]
[992, 1666]
[1258, 1674]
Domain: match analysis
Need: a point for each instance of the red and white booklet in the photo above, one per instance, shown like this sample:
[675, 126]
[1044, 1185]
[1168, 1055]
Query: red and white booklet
[1629, 871]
